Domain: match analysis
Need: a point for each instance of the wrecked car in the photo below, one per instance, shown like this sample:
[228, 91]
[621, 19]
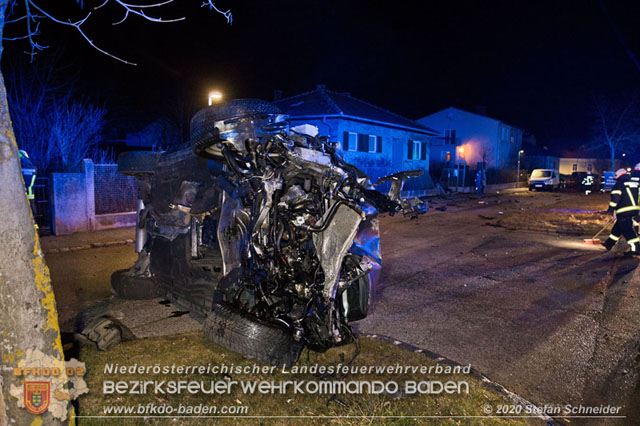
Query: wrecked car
[265, 234]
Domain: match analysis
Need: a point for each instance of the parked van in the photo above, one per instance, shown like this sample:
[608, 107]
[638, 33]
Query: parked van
[544, 179]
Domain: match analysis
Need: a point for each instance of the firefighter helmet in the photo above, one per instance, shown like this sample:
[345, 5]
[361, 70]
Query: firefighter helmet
[619, 173]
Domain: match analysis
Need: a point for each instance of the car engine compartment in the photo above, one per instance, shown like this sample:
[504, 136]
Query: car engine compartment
[265, 221]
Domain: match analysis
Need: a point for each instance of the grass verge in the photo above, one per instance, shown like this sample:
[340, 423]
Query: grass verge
[192, 350]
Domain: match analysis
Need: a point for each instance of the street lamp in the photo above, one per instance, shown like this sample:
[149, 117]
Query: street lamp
[214, 97]
[518, 175]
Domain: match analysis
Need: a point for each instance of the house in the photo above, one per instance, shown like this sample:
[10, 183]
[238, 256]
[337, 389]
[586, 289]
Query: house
[569, 165]
[483, 139]
[582, 160]
[376, 140]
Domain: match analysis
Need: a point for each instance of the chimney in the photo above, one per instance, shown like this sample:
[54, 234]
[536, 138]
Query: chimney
[321, 87]
[277, 95]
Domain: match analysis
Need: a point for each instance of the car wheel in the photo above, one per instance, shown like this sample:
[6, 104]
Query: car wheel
[250, 337]
[128, 286]
[203, 130]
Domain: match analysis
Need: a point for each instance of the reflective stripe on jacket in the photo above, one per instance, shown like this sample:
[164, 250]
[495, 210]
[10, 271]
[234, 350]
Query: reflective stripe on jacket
[624, 196]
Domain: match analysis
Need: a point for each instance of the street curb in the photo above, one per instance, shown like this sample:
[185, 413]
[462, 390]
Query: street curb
[487, 383]
[88, 246]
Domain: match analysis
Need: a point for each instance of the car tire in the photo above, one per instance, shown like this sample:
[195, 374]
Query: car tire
[128, 286]
[203, 130]
[250, 337]
[137, 163]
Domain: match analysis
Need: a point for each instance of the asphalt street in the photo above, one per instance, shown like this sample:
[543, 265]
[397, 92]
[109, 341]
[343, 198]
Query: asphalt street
[548, 317]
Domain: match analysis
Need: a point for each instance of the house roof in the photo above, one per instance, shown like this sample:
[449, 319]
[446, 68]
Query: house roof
[452, 108]
[326, 103]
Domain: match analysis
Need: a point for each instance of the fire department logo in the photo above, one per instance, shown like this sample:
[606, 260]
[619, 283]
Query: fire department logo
[36, 396]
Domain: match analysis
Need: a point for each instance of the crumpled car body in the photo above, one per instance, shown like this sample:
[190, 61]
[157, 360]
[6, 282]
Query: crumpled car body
[266, 234]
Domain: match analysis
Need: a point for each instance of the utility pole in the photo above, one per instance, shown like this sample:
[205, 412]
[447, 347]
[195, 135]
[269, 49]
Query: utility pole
[518, 175]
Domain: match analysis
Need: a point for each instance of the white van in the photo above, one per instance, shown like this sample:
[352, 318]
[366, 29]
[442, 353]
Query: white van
[544, 179]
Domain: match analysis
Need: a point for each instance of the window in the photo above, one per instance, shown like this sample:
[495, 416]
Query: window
[410, 150]
[417, 150]
[574, 168]
[350, 141]
[505, 134]
[590, 167]
[450, 137]
[372, 143]
[446, 156]
[363, 143]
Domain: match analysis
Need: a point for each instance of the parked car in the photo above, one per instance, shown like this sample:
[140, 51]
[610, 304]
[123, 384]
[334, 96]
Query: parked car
[264, 234]
[544, 179]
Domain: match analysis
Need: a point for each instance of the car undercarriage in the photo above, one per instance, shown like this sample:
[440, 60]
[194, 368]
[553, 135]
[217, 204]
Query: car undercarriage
[264, 233]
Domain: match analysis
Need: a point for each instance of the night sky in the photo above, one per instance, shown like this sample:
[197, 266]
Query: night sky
[534, 64]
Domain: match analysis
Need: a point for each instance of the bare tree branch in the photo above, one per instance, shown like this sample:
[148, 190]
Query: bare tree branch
[617, 125]
[132, 9]
[129, 8]
[212, 6]
[143, 6]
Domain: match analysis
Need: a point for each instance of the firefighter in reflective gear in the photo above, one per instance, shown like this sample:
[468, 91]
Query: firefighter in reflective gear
[29, 173]
[587, 183]
[624, 206]
[635, 177]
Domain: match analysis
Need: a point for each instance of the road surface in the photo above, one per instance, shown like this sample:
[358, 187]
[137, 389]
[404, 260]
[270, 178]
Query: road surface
[548, 317]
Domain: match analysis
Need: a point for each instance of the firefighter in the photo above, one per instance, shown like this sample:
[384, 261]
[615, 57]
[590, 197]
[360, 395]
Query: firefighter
[587, 183]
[624, 207]
[481, 181]
[635, 177]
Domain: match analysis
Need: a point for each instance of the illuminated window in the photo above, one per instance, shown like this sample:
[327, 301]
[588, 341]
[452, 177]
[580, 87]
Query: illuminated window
[446, 156]
[574, 167]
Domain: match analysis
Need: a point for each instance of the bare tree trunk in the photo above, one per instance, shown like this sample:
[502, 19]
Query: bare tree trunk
[28, 316]
[613, 158]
